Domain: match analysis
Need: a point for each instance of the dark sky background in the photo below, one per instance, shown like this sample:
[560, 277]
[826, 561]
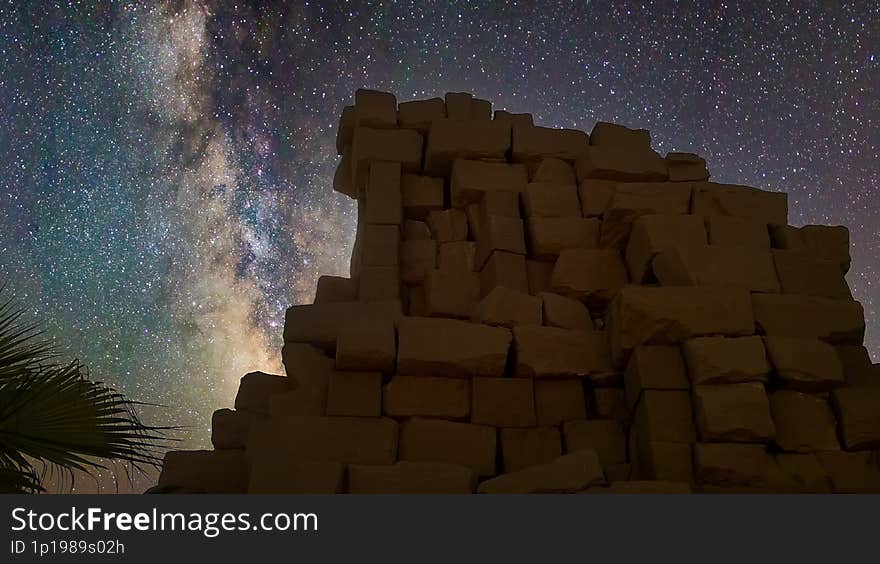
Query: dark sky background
[166, 167]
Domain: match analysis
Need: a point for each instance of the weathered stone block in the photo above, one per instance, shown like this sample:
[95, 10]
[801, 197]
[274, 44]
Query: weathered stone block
[271, 474]
[828, 242]
[458, 256]
[345, 131]
[418, 257]
[546, 199]
[311, 369]
[569, 473]
[804, 423]
[255, 389]
[504, 269]
[654, 368]
[723, 360]
[403, 146]
[229, 429]
[802, 473]
[652, 234]
[503, 402]
[319, 324]
[684, 167]
[380, 245]
[712, 199]
[557, 401]
[355, 394]
[805, 364]
[499, 233]
[416, 230]
[458, 105]
[610, 403]
[594, 276]
[427, 396]
[451, 293]
[606, 134]
[550, 236]
[450, 139]
[832, 321]
[800, 272]
[732, 231]
[431, 440]
[740, 267]
[335, 289]
[418, 114]
[554, 170]
[622, 165]
[470, 180]
[507, 307]
[851, 472]
[342, 181]
[448, 347]
[373, 108]
[629, 201]
[733, 413]
[728, 464]
[605, 437]
[522, 448]
[665, 461]
[858, 371]
[595, 195]
[538, 275]
[664, 416]
[858, 411]
[421, 195]
[366, 345]
[543, 352]
[379, 284]
[208, 471]
[509, 119]
[411, 478]
[566, 313]
[448, 225]
[532, 144]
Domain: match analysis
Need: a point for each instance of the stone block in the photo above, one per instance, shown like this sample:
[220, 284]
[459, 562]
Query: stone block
[383, 203]
[499, 233]
[451, 293]
[470, 180]
[740, 267]
[421, 195]
[508, 307]
[503, 402]
[828, 242]
[606, 437]
[804, 423]
[380, 245]
[345, 131]
[630, 201]
[568, 473]
[427, 396]
[851, 472]
[622, 165]
[595, 195]
[652, 234]
[509, 119]
[319, 324]
[521, 448]
[858, 371]
[415, 301]
[665, 461]
[204, 471]
[448, 347]
[403, 146]
[685, 167]
[448, 225]
[465, 444]
[418, 257]
[415, 230]
[229, 429]
[272, 474]
[711, 199]
[255, 389]
[808, 365]
[342, 181]
[419, 114]
[557, 401]
[732, 231]
[594, 276]
[538, 275]
[348, 440]
[458, 105]
[379, 284]
[724, 360]
[801, 272]
[545, 199]
[802, 473]
[355, 394]
[734, 413]
[566, 313]
[532, 144]
[664, 416]
[832, 321]
[654, 368]
[554, 170]
[458, 256]
[858, 412]
[450, 139]
[333, 289]
[373, 108]
[610, 403]
[311, 368]
[480, 110]
[550, 236]
[545, 352]
[606, 134]
[498, 203]
[411, 478]
[728, 464]
[504, 269]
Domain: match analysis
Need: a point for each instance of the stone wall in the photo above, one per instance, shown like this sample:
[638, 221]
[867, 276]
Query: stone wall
[542, 310]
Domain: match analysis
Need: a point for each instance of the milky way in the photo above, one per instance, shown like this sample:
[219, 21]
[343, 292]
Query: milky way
[166, 167]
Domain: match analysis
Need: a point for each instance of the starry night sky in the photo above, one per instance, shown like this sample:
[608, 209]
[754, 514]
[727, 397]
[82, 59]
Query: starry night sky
[166, 167]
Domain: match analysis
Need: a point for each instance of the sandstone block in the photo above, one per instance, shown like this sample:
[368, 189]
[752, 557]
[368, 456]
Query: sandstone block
[498, 203]
[448, 225]
[545, 199]
[606, 134]
[670, 315]
[610, 403]
[342, 181]
[380, 245]
[345, 131]
[805, 364]
[550, 236]
[554, 170]
[450, 139]
[480, 110]
[415, 302]
[800, 272]
[451, 293]
[802, 473]
[355, 394]
[595, 195]
[532, 144]
[569, 473]
[208, 471]
[417, 258]
[411, 478]
[332, 289]
[348, 440]
[804, 423]
[319, 324]
[431, 440]
[504, 269]
[373, 108]
[312, 370]
[427, 396]
[828, 242]
[652, 234]
[594, 276]
[665, 461]
[629, 201]
[416, 230]
[470, 180]
[727, 464]
[557, 401]
[522, 448]
[421, 195]
[379, 284]
[858, 371]
[858, 411]
[622, 165]
[503, 402]
[458, 256]
[229, 429]
[605, 437]
[419, 114]
[664, 416]
[733, 413]
[458, 105]
[255, 389]
[654, 368]
[498, 233]
[740, 267]
[543, 352]
[684, 167]
[403, 146]
[448, 347]
[286, 475]
[508, 307]
[511, 119]
[538, 275]
[851, 472]
[732, 231]
[711, 199]
[723, 360]
[832, 321]
[565, 313]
